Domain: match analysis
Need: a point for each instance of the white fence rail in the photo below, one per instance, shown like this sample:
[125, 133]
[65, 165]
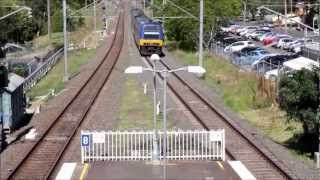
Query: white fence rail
[138, 145]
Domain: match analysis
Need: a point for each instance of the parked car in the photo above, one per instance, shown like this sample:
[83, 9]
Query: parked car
[273, 40]
[297, 43]
[263, 36]
[252, 56]
[249, 49]
[221, 35]
[288, 45]
[253, 35]
[248, 30]
[283, 41]
[229, 40]
[237, 46]
[271, 62]
[240, 30]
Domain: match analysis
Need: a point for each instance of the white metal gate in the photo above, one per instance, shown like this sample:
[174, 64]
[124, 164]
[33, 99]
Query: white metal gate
[138, 145]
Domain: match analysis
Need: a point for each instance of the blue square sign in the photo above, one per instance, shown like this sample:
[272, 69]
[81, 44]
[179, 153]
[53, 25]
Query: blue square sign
[85, 140]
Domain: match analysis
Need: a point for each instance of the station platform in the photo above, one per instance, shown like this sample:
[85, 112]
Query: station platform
[146, 170]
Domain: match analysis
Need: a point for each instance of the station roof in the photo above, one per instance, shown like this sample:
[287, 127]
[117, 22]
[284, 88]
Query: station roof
[15, 81]
[300, 63]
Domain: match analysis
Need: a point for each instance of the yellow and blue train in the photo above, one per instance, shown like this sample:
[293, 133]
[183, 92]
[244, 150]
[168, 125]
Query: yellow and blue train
[148, 34]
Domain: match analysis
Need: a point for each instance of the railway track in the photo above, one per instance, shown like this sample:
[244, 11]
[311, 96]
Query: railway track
[41, 160]
[240, 144]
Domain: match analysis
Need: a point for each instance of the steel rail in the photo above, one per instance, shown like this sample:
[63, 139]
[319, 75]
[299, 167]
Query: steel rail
[119, 25]
[225, 118]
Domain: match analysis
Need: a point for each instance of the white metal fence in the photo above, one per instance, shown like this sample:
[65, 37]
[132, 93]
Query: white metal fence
[138, 145]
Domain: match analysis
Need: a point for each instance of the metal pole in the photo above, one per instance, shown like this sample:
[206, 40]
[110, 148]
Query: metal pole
[318, 158]
[291, 11]
[201, 35]
[14, 12]
[94, 15]
[49, 21]
[1, 115]
[151, 8]
[244, 11]
[66, 76]
[155, 138]
[319, 18]
[164, 124]
[286, 15]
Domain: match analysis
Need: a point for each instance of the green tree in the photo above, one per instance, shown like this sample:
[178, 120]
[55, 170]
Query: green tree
[298, 93]
[185, 31]
[20, 28]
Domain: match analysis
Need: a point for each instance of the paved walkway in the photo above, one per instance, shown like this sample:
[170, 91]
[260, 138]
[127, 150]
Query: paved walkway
[186, 170]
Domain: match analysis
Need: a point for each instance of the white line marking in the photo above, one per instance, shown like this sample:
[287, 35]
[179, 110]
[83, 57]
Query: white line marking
[66, 171]
[241, 170]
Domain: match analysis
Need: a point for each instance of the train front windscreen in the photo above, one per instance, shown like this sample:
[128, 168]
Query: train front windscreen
[152, 31]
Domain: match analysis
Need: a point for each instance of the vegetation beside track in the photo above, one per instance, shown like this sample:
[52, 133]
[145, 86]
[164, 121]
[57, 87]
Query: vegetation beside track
[239, 91]
[77, 58]
[54, 79]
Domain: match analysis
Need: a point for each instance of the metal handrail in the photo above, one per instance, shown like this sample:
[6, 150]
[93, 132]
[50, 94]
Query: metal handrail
[41, 71]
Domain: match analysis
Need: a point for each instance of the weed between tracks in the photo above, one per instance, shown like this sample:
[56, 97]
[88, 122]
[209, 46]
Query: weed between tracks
[239, 91]
[136, 111]
[54, 79]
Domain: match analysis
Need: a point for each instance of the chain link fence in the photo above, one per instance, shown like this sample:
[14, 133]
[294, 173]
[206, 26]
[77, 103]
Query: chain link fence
[265, 72]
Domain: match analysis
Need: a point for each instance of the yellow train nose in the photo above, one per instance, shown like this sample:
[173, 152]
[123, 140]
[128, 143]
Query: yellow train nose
[151, 42]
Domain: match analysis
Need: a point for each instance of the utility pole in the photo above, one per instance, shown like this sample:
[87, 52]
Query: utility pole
[244, 11]
[318, 101]
[94, 15]
[49, 21]
[164, 149]
[66, 76]
[151, 8]
[291, 10]
[286, 15]
[319, 20]
[201, 35]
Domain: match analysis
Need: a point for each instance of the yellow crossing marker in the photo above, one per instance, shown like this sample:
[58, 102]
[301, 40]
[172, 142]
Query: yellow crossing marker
[84, 171]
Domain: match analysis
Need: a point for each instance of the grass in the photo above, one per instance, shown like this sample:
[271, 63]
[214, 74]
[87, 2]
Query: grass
[54, 79]
[239, 91]
[136, 111]
[43, 41]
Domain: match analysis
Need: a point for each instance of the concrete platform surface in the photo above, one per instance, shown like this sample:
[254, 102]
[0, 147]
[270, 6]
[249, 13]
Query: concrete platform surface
[141, 170]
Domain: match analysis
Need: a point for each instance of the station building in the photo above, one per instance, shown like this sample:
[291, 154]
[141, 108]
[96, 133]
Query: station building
[12, 103]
